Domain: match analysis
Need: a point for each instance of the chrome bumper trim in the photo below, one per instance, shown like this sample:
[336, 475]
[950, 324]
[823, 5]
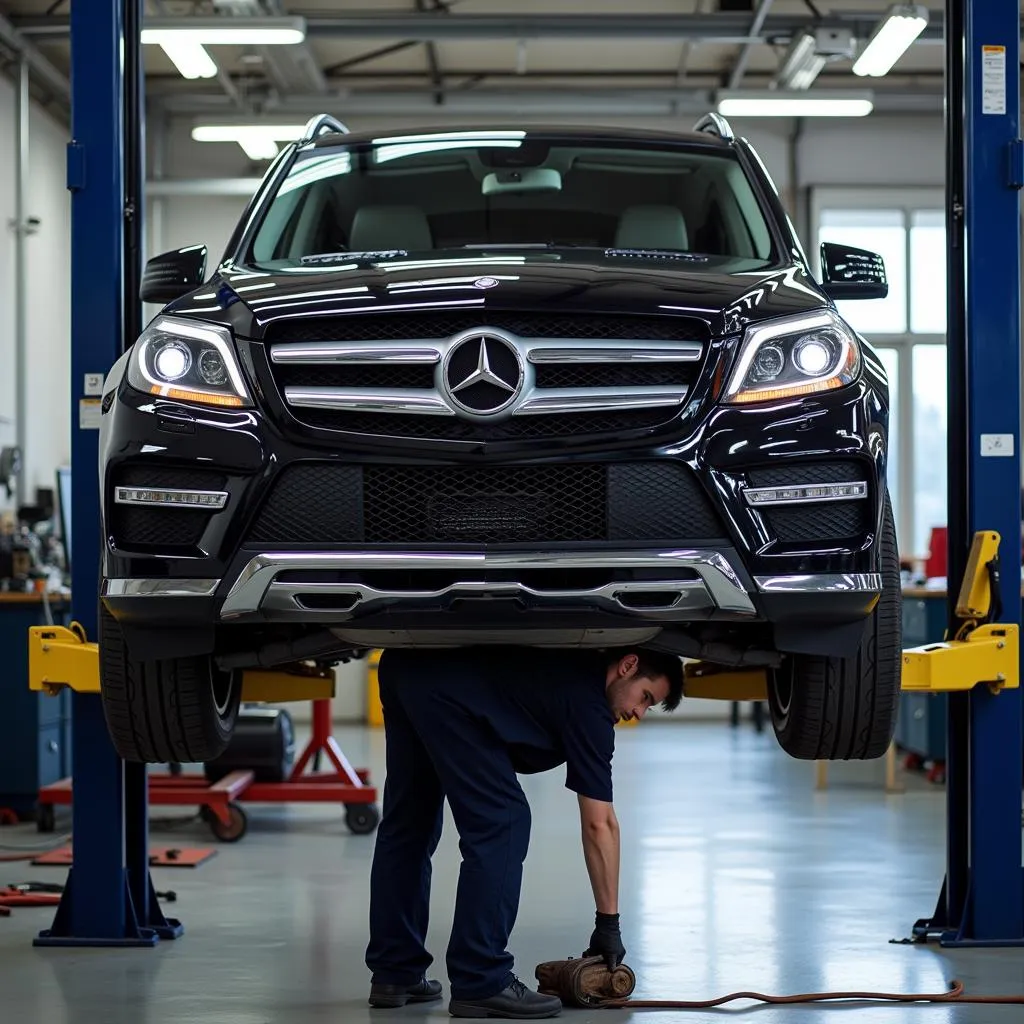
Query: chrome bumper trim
[159, 588]
[250, 590]
[679, 598]
[821, 583]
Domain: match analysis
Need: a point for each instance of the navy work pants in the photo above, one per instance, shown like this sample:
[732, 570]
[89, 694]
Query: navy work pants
[436, 748]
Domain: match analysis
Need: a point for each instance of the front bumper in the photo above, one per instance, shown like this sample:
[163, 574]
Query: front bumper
[735, 567]
[412, 590]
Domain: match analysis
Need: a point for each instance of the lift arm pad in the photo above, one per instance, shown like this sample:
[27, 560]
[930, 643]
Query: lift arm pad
[59, 657]
[988, 657]
[710, 682]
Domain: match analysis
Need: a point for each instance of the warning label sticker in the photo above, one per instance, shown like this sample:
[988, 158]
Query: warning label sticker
[993, 79]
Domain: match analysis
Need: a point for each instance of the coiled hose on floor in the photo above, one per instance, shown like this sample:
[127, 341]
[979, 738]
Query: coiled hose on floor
[587, 982]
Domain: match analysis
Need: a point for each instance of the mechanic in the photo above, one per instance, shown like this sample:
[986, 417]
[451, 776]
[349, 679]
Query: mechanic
[461, 724]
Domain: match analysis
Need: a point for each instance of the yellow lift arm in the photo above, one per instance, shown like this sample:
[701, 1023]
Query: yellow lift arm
[982, 653]
[59, 656]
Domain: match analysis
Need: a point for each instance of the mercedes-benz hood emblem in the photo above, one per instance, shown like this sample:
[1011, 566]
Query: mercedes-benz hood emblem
[482, 374]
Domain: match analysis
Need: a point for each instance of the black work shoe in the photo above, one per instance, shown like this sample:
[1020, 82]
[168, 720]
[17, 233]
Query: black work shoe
[516, 1002]
[398, 995]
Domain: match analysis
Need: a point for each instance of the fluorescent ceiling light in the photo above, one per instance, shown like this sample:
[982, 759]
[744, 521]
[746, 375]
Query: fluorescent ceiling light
[802, 63]
[191, 60]
[226, 31]
[258, 140]
[891, 39]
[797, 104]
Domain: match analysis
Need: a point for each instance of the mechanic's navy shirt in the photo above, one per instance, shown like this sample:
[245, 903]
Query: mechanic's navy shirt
[549, 708]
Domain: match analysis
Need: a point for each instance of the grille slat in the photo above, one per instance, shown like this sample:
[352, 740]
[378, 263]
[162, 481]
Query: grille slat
[334, 504]
[400, 326]
[444, 428]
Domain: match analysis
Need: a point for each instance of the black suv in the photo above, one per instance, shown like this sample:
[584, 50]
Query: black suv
[554, 387]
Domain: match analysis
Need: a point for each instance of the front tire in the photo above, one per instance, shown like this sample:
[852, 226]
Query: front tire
[838, 709]
[175, 710]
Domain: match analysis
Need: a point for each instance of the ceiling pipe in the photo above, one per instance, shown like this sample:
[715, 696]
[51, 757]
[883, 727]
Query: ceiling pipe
[45, 72]
[740, 67]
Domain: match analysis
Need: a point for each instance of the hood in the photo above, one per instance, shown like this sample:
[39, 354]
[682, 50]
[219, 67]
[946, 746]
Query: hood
[726, 294]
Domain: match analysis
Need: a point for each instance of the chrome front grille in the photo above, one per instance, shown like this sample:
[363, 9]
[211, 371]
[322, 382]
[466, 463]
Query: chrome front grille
[486, 378]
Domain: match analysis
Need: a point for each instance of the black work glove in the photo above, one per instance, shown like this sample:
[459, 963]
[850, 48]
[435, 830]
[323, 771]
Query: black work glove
[606, 940]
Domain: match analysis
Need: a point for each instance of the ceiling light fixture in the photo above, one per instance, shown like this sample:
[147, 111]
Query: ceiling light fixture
[891, 39]
[258, 140]
[809, 52]
[239, 31]
[802, 63]
[191, 60]
[795, 104]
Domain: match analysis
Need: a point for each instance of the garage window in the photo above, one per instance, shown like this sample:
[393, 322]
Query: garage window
[908, 228]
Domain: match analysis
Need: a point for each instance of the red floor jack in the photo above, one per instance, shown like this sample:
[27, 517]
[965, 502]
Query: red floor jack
[344, 785]
[219, 800]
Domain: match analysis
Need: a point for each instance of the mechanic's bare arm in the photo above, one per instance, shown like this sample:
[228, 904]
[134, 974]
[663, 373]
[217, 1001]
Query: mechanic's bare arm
[601, 852]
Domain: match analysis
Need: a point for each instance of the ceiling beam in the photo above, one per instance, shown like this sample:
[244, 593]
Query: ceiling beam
[728, 29]
[53, 80]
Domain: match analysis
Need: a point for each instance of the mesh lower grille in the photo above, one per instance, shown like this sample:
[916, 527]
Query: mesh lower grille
[326, 503]
[806, 473]
[443, 324]
[819, 524]
[144, 475]
[161, 528]
[313, 503]
[487, 505]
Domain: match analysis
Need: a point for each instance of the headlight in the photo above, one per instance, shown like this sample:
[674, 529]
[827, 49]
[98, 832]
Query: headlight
[188, 361]
[796, 356]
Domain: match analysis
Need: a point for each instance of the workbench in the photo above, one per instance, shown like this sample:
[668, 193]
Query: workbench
[35, 743]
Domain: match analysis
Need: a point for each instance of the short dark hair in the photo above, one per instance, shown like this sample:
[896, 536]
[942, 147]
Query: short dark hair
[651, 665]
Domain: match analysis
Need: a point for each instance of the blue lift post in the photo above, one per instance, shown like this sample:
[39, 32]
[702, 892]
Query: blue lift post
[109, 898]
[982, 898]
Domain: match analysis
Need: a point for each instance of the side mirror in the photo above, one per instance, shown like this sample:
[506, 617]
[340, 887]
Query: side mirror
[849, 273]
[172, 274]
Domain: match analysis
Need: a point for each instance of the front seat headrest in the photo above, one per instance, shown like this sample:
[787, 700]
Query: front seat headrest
[389, 227]
[652, 226]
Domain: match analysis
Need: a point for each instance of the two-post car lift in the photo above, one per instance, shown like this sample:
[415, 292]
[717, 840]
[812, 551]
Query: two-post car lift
[109, 898]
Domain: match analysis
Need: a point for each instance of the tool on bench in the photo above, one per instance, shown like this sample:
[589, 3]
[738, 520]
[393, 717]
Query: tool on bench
[587, 982]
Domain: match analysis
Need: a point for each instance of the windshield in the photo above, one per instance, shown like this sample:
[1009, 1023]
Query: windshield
[458, 190]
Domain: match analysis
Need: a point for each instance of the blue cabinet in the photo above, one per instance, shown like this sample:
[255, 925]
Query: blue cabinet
[35, 730]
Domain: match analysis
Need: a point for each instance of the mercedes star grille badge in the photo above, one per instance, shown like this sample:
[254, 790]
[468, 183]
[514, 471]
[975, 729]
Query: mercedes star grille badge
[482, 375]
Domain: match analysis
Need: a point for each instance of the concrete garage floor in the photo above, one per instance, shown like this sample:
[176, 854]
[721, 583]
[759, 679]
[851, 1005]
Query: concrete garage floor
[736, 875]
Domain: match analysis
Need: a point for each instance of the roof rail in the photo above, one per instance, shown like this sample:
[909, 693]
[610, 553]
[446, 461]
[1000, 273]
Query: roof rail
[321, 123]
[715, 124]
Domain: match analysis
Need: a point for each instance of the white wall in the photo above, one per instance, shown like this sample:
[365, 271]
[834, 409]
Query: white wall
[49, 302]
